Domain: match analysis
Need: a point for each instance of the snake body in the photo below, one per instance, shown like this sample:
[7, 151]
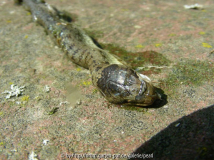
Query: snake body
[116, 81]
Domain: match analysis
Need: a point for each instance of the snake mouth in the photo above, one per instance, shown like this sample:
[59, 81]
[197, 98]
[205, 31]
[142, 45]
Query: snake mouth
[141, 91]
[146, 96]
[150, 95]
[142, 88]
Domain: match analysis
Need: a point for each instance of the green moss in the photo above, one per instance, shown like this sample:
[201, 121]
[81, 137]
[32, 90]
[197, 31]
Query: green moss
[11, 103]
[54, 110]
[94, 91]
[202, 151]
[172, 34]
[38, 98]
[1, 113]
[94, 34]
[139, 59]
[135, 108]
[134, 59]
[189, 72]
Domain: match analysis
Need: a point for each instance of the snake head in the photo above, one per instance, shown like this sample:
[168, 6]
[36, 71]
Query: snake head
[120, 84]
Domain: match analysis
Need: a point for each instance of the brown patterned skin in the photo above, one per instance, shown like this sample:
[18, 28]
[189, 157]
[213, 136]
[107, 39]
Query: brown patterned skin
[117, 82]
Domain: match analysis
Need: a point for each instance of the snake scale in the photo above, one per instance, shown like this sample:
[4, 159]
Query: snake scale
[116, 81]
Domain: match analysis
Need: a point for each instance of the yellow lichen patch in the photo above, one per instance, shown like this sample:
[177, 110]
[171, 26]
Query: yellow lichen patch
[10, 83]
[78, 69]
[1, 143]
[206, 45]
[26, 36]
[158, 45]
[172, 34]
[139, 46]
[124, 10]
[1, 113]
[86, 83]
[9, 21]
[28, 13]
[25, 98]
[202, 33]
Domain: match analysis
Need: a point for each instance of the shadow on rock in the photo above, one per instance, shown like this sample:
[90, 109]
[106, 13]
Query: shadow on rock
[190, 137]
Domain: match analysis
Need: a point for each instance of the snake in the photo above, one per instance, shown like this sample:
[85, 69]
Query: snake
[115, 80]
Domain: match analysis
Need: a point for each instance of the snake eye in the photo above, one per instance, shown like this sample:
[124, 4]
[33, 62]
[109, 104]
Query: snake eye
[129, 80]
[118, 89]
